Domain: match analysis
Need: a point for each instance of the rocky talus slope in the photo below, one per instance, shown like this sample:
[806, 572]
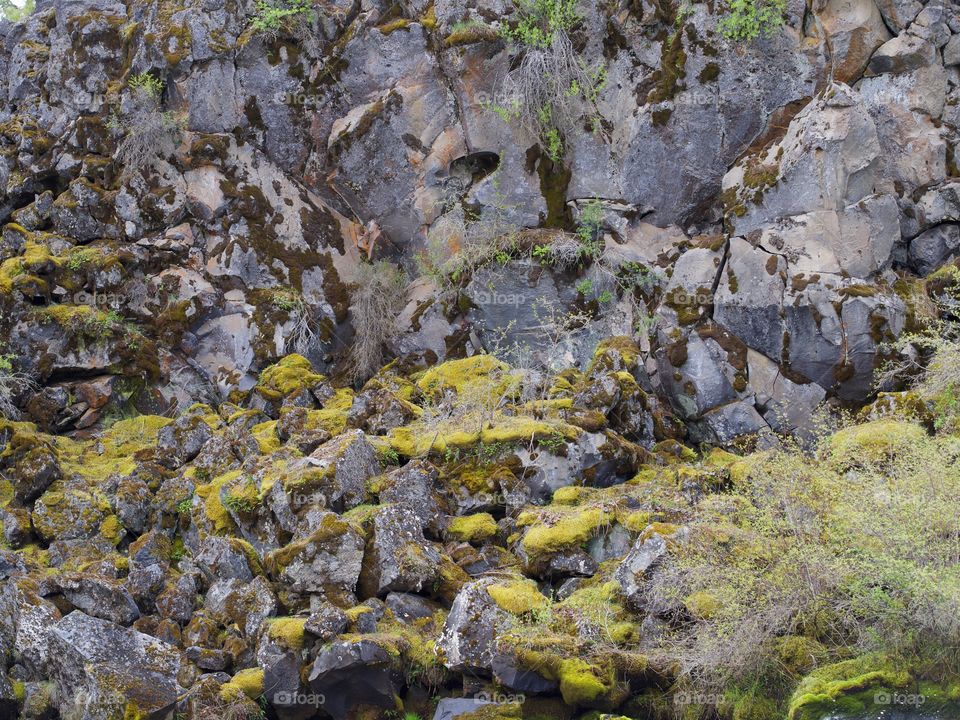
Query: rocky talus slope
[332, 388]
[452, 541]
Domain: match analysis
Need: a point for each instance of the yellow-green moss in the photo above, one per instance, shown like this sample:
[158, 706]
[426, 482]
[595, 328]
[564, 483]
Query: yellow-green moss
[289, 375]
[838, 687]
[288, 632]
[483, 373]
[34, 258]
[552, 530]
[571, 495]
[702, 605]
[332, 417]
[112, 530]
[517, 596]
[582, 683]
[265, 434]
[473, 528]
[419, 439]
[213, 506]
[247, 682]
[115, 452]
[874, 442]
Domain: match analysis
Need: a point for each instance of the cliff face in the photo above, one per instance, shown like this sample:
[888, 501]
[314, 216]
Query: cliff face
[208, 184]
[352, 354]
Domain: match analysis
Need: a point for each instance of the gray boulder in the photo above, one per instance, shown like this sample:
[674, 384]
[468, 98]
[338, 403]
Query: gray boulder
[933, 247]
[102, 669]
[398, 558]
[349, 675]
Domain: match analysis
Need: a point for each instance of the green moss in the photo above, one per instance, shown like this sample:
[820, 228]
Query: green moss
[287, 632]
[582, 683]
[702, 605]
[873, 442]
[36, 259]
[291, 374]
[556, 529]
[472, 528]
[469, 35]
[846, 687]
[858, 290]
[333, 416]
[112, 530]
[518, 596]
[799, 655]
[265, 434]
[483, 373]
[245, 682]
[418, 439]
[213, 506]
[668, 78]
[394, 25]
[331, 527]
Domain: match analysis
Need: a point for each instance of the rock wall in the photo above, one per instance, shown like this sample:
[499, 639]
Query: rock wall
[202, 505]
[769, 190]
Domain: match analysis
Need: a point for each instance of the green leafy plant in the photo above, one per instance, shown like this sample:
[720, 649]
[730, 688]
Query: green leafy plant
[146, 83]
[585, 287]
[553, 443]
[388, 456]
[100, 325]
[590, 228]
[747, 20]
[541, 21]
[15, 12]
[242, 498]
[542, 253]
[553, 88]
[276, 17]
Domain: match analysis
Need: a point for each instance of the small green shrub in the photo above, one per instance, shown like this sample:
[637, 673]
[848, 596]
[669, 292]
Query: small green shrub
[276, 17]
[590, 228]
[15, 13]
[146, 83]
[540, 21]
[553, 89]
[746, 20]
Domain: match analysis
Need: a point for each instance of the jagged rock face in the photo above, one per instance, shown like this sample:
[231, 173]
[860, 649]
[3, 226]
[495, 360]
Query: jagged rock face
[294, 158]
[101, 668]
[746, 230]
